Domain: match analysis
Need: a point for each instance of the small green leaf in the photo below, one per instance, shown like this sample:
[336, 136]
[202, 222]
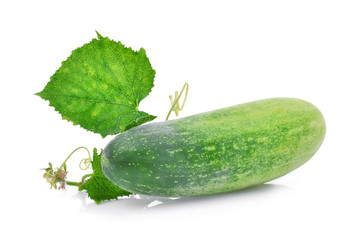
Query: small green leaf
[98, 187]
[100, 87]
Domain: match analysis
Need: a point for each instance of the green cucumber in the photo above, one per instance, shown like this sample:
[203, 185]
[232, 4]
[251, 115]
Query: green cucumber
[219, 151]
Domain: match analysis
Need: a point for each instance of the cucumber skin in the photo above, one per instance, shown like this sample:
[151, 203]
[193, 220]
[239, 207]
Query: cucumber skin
[214, 152]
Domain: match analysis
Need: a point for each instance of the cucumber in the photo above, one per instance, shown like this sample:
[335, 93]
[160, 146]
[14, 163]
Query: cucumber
[214, 152]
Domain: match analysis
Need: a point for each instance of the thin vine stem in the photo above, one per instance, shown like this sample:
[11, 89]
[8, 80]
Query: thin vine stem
[86, 176]
[78, 184]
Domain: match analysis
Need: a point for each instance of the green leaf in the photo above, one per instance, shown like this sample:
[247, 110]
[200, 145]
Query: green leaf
[98, 187]
[100, 87]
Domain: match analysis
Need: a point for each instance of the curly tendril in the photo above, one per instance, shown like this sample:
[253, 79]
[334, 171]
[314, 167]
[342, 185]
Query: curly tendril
[175, 107]
[85, 161]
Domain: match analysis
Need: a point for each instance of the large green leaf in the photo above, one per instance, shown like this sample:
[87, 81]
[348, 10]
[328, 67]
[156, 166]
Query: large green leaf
[100, 87]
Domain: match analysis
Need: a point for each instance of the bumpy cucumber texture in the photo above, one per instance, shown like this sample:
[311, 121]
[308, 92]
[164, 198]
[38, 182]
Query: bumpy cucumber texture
[219, 151]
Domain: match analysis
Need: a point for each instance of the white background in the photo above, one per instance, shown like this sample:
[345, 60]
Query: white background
[229, 52]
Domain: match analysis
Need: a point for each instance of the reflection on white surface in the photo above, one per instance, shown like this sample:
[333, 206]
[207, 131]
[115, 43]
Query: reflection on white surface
[138, 203]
